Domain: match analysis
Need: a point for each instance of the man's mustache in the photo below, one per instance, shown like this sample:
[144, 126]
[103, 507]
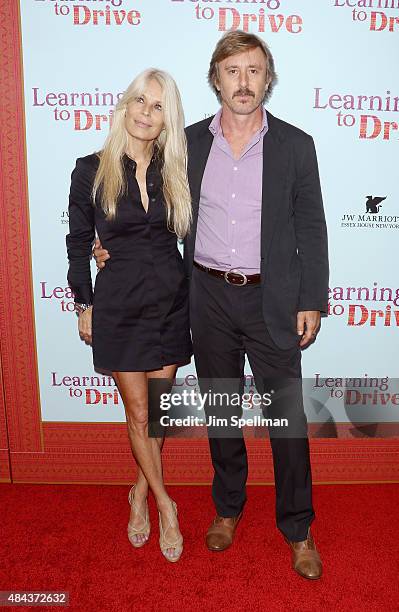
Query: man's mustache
[244, 92]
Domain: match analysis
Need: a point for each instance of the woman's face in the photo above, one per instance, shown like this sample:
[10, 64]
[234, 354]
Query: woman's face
[144, 115]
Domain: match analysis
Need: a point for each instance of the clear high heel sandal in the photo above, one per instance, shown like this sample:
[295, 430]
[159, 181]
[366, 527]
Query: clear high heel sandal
[144, 529]
[164, 544]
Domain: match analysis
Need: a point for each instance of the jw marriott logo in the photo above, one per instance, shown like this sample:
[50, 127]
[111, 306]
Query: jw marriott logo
[373, 216]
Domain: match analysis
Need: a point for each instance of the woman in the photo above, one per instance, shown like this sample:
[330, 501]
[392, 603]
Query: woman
[135, 194]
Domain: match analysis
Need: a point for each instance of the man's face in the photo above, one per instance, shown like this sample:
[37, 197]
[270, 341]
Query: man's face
[242, 81]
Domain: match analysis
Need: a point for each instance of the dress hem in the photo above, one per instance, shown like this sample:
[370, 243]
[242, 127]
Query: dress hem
[179, 362]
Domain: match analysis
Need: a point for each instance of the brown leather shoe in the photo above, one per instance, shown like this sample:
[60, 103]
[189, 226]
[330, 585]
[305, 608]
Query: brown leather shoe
[305, 558]
[220, 534]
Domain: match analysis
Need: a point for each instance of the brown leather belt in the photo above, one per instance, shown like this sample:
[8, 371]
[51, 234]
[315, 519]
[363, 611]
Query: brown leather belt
[233, 277]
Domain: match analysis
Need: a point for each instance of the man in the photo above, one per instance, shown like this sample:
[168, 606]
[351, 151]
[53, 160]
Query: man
[258, 264]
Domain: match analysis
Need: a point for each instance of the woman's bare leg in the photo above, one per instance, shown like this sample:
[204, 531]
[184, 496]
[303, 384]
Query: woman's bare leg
[147, 451]
[141, 489]
[167, 514]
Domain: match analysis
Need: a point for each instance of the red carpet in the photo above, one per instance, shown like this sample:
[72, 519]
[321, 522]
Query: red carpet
[73, 538]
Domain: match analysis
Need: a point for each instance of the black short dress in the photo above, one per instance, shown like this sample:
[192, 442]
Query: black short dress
[140, 303]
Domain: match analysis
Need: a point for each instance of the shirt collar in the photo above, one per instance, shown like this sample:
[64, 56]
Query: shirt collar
[129, 161]
[216, 128]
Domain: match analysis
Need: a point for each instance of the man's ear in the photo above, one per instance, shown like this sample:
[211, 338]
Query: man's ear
[216, 82]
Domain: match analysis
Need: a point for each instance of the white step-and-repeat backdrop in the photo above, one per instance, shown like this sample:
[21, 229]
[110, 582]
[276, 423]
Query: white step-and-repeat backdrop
[338, 80]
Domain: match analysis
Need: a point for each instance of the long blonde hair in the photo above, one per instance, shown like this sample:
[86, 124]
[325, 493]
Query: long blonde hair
[171, 147]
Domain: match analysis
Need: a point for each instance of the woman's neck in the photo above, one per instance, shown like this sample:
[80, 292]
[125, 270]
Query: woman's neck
[140, 150]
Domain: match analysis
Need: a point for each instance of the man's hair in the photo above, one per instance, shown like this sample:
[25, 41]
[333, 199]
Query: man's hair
[234, 42]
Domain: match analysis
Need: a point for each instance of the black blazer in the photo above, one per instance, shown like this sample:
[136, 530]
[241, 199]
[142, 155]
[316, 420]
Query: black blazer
[294, 256]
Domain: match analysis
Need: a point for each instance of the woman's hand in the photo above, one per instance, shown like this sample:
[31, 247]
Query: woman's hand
[84, 325]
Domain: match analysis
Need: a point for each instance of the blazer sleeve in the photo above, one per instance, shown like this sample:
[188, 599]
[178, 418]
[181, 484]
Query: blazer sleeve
[81, 232]
[311, 233]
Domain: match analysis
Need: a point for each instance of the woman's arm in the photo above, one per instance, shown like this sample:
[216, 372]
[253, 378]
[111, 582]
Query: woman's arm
[81, 231]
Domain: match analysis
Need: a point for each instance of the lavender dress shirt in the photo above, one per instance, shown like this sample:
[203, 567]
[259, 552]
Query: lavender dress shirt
[229, 217]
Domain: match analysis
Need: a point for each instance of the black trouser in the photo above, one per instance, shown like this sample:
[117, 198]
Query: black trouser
[226, 323]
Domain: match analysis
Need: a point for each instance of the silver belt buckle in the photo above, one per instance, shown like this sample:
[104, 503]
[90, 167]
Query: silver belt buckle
[235, 271]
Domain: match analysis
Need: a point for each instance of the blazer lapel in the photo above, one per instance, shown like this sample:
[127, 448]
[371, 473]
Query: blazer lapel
[198, 153]
[274, 179]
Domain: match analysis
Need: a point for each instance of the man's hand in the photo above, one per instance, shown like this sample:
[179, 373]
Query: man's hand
[308, 324]
[100, 255]
[84, 325]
